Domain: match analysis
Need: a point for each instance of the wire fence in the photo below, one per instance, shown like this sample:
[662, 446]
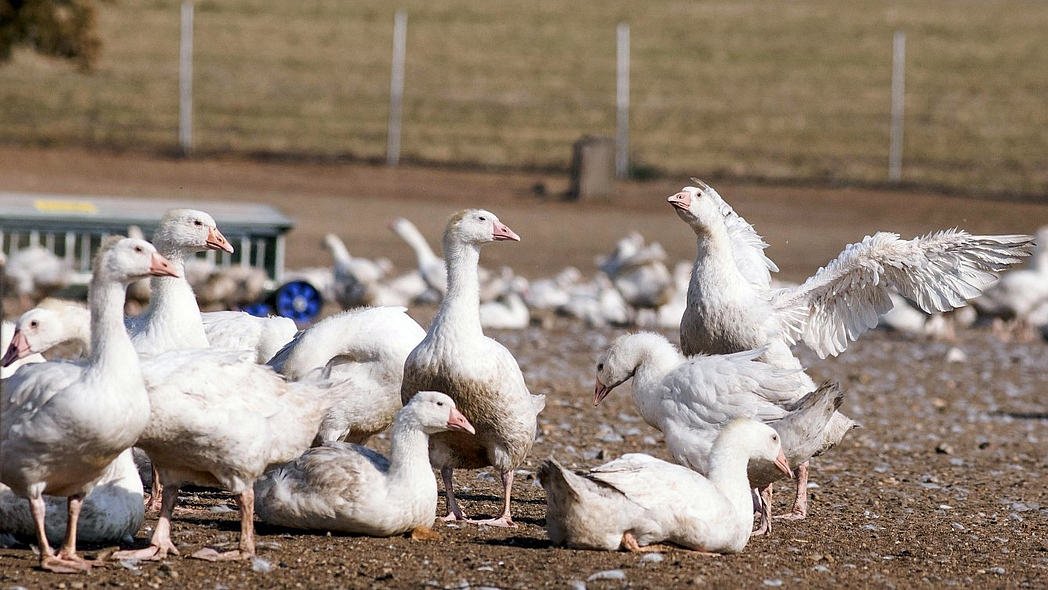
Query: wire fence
[784, 92]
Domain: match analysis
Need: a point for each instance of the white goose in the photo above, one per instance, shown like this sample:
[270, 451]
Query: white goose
[638, 500]
[1021, 291]
[363, 352]
[356, 279]
[52, 324]
[477, 372]
[731, 306]
[218, 419]
[63, 423]
[13, 357]
[691, 399]
[349, 488]
[163, 325]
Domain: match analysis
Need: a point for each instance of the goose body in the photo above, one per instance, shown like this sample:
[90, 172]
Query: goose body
[349, 488]
[638, 500]
[477, 372]
[63, 423]
[363, 351]
[239, 330]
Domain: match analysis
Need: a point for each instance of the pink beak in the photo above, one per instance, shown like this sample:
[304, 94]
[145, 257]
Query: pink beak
[600, 391]
[18, 348]
[681, 200]
[457, 421]
[216, 241]
[502, 232]
[783, 464]
[161, 267]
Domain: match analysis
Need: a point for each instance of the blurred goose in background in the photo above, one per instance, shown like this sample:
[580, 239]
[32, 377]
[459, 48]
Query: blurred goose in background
[549, 294]
[35, 272]
[1021, 295]
[639, 272]
[430, 266]
[63, 423]
[638, 500]
[597, 303]
[691, 399]
[508, 310]
[477, 372]
[356, 280]
[349, 488]
[365, 349]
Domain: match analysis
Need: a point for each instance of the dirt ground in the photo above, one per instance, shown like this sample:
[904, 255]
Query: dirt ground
[944, 486]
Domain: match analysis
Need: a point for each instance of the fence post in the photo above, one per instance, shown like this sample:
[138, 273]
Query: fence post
[622, 119]
[898, 104]
[396, 87]
[185, 81]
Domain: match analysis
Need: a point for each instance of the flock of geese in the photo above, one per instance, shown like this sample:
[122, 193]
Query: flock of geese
[278, 416]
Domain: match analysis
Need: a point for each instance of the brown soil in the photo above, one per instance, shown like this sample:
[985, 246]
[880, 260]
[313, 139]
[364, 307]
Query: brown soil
[943, 486]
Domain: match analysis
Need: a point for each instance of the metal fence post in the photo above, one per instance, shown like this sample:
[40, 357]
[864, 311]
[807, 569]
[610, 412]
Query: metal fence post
[185, 81]
[622, 119]
[898, 105]
[396, 87]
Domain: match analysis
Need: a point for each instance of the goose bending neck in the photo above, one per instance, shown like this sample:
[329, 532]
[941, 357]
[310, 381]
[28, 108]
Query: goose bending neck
[461, 305]
[408, 453]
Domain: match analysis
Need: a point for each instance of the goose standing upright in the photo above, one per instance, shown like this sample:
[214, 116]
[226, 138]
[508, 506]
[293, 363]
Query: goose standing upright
[349, 488]
[638, 500]
[168, 322]
[63, 423]
[731, 306]
[477, 372]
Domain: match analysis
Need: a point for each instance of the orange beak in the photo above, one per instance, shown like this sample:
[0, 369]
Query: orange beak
[502, 232]
[681, 200]
[162, 267]
[600, 391]
[783, 464]
[457, 421]
[18, 348]
[216, 241]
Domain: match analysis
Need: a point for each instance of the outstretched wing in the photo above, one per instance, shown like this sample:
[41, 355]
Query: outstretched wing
[939, 271]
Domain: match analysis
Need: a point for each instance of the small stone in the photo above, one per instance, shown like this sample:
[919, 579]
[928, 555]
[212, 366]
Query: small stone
[775, 582]
[996, 570]
[260, 565]
[607, 575]
[944, 449]
[652, 558]
[577, 585]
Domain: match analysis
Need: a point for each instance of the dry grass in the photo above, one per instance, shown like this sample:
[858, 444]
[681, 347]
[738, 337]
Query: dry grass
[780, 90]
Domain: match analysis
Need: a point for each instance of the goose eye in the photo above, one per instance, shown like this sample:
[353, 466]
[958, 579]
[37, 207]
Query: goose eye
[33, 324]
[198, 222]
[775, 437]
[441, 404]
[600, 366]
[138, 248]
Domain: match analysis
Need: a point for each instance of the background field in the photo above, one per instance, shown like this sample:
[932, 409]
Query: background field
[742, 89]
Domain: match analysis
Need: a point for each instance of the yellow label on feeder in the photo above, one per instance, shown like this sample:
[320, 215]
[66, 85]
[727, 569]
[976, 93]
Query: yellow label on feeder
[52, 206]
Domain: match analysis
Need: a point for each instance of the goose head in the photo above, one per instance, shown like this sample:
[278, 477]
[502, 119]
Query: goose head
[37, 331]
[699, 207]
[754, 439]
[190, 230]
[435, 412]
[477, 227]
[125, 260]
[614, 367]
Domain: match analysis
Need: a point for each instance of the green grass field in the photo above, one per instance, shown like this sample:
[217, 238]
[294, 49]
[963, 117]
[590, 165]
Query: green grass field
[785, 90]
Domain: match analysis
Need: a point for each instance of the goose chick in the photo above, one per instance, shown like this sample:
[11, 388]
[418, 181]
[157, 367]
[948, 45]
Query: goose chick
[349, 488]
[690, 400]
[63, 423]
[638, 500]
[477, 372]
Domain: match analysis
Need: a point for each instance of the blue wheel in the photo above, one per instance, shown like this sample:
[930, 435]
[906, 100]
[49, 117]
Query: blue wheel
[298, 300]
[260, 309]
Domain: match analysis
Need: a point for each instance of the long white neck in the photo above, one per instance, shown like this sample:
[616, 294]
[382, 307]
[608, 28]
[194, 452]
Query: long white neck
[173, 307]
[423, 253]
[461, 304]
[714, 257]
[110, 345]
[728, 474]
[338, 249]
[409, 453]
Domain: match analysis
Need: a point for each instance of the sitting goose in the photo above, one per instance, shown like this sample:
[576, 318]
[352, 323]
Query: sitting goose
[349, 488]
[638, 500]
[731, 306]
[477, 372]
[690, 400]
[63, 423]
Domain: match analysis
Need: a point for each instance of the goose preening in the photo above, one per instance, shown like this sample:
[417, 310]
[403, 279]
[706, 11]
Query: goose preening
[239, 330]
[477, 372]
[349, 488]
[163, 325]
[111, 512]
[638, 500]
[731, 306]
[218, 419]
[363, 351]
[63, 423]
[691, 399]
